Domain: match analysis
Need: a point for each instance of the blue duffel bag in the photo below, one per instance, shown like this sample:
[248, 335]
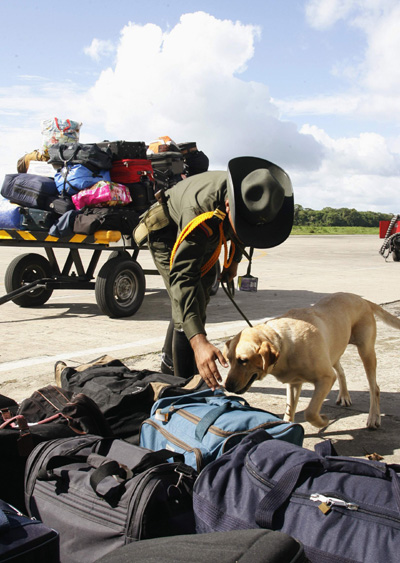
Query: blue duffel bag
[342, 509]
[204, 425]
[73, 178]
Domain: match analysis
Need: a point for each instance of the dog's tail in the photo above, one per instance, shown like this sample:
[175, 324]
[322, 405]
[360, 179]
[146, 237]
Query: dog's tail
[384, 316]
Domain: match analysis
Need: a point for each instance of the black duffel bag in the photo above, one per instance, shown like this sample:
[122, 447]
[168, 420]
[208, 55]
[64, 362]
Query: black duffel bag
[90, 155]
[101, 494]
[123, 219]
[50, 412]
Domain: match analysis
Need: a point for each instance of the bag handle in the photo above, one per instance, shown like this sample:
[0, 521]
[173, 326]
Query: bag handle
[209, 419]
[106, 467]
[164, 413]
[325, 448]
[279, 494]
[65, 128]
[61, 155]
[282, 490]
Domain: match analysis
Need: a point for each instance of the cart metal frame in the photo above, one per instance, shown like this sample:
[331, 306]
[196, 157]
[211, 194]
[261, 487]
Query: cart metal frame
[31, 278]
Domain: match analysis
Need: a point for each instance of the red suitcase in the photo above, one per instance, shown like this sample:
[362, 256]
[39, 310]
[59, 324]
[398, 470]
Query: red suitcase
[131, 171]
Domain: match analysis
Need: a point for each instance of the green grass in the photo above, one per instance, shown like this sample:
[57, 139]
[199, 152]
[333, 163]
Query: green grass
[309, 230]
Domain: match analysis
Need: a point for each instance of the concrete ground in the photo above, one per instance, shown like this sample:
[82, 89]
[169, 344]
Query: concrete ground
[298, 273]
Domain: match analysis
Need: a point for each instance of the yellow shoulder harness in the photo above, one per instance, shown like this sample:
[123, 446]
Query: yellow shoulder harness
[195, 223]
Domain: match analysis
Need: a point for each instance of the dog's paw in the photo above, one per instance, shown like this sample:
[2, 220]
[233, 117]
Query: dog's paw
[343, 400]
[320, 421]
[374, 421]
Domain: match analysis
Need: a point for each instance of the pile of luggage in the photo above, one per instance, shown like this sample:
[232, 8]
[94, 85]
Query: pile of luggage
[69, 187]
[116, 465]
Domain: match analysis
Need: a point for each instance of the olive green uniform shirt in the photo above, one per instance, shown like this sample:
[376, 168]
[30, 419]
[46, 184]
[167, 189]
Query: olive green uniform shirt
[188, 290]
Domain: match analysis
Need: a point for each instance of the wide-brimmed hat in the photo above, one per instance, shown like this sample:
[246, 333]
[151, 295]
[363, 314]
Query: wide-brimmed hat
[260, 196]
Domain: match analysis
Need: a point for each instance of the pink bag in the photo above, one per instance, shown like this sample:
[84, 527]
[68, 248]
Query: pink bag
[102, 194]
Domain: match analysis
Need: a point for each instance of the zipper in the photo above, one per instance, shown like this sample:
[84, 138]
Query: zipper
[340, 503]
[225, 433]
[171, 476]
[326, 503]
[174, 440]
[135, 522]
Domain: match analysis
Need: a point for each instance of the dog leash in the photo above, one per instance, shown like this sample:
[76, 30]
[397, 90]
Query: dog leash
[227, 287]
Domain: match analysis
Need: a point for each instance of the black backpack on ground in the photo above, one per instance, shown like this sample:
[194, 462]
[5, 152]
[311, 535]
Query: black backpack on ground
[126, 396]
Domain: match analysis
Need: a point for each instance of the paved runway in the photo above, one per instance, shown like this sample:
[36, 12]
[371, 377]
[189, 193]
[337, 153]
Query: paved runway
[297, 273]
[71, 327]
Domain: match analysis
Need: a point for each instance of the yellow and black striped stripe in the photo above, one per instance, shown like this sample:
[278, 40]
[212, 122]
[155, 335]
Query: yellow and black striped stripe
[100, 237]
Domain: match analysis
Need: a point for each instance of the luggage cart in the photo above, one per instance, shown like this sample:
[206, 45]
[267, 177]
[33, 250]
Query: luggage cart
[31, 278]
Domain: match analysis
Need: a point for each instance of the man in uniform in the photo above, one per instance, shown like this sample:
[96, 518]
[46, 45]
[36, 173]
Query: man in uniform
[250, 204]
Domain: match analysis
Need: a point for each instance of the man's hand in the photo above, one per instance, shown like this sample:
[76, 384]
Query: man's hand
[206, 355]
[228, 274]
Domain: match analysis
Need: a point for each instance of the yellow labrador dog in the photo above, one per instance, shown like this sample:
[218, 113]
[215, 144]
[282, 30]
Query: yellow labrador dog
[305, 346]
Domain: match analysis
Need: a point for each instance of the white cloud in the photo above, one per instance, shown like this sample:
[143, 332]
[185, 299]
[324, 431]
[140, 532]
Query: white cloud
[325, 13]
[379, 20]
[360, 172]
[188, 83]
[99, 49]
[373, 80]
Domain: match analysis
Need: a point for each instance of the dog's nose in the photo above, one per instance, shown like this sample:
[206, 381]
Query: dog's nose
[229, 386]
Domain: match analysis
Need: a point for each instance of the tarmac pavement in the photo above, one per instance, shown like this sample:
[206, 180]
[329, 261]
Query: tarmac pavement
[71, 327]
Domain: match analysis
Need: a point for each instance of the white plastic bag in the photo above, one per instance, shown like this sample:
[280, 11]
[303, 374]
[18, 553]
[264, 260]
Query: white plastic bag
[56, 130]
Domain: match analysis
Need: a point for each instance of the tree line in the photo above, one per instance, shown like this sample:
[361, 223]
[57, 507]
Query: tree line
[343, 217]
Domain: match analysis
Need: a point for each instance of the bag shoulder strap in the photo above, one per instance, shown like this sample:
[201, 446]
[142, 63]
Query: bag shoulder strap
[222, 240]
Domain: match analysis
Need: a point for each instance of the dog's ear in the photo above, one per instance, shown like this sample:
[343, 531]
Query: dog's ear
[228, 343]
[226, 348]
[269, 354]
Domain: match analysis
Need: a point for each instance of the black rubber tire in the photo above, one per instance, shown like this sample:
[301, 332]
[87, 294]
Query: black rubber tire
[26, 269]
[396, 255]
[117, 253]
[120, 287]
[215, 285]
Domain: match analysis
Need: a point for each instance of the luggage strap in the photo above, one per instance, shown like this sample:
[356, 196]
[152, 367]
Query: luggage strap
[105, 467]
[222, 240]
[209, 419]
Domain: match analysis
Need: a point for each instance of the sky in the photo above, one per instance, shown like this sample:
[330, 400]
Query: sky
[311, 85]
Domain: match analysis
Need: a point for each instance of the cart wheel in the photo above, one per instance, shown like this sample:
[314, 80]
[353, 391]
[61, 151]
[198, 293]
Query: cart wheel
[120, 287]
[215, 285]
[26, 269]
